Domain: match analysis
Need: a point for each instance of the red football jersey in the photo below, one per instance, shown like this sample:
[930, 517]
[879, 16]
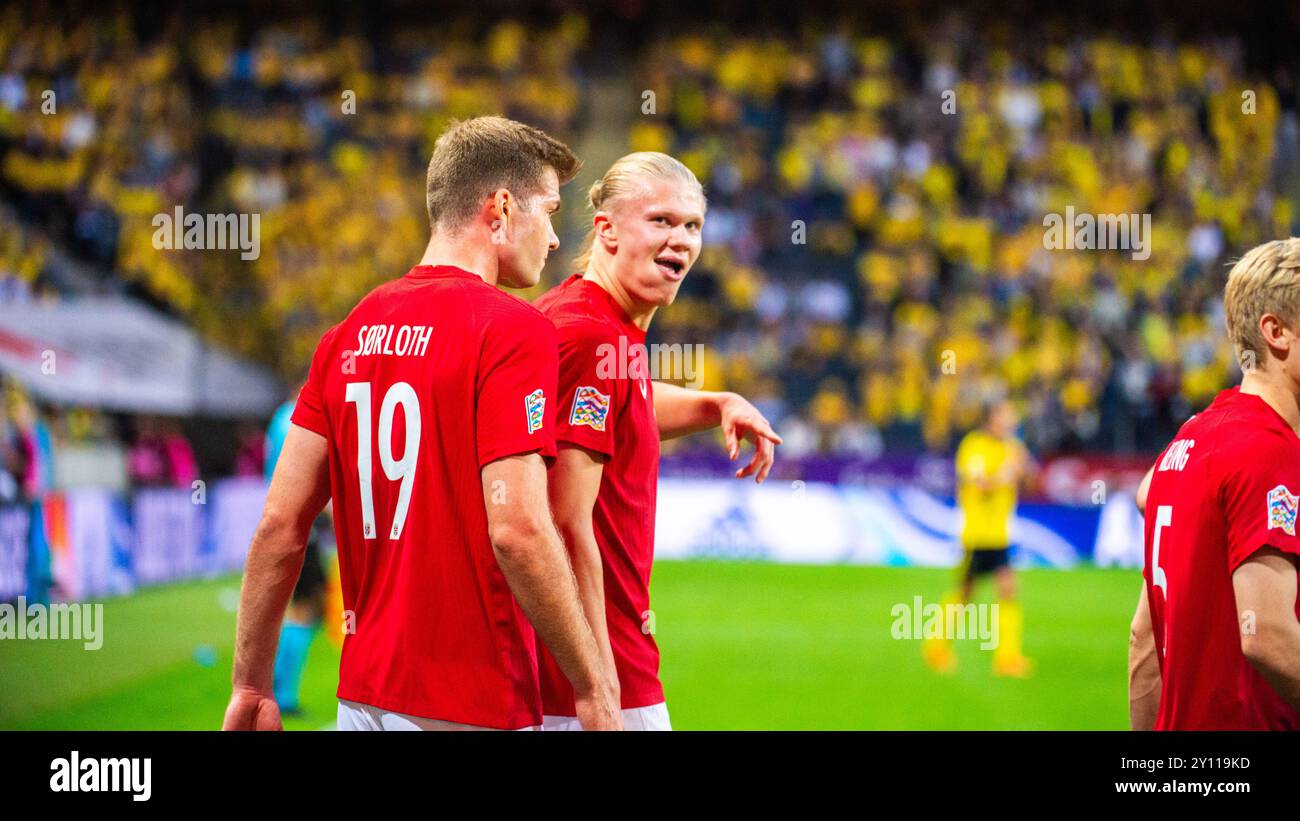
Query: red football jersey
[1223, 489]
[606, 404]
[430, 378]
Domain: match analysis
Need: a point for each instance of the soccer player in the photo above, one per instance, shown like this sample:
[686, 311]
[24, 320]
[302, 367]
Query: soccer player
[1220, 538]
[649, 212]
[426, 418]
[991, 462]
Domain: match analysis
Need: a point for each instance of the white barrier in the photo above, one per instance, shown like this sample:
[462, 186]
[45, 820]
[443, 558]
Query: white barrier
[823, 523]
[173, 534]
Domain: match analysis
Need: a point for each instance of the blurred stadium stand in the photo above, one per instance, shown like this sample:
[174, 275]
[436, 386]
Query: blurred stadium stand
[923, 229]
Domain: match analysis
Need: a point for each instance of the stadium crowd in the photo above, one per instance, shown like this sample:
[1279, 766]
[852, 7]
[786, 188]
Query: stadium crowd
[876, 258]
[874, 266]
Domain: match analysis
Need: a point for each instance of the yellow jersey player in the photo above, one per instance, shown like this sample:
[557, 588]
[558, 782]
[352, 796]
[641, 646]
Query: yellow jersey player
[991, 463]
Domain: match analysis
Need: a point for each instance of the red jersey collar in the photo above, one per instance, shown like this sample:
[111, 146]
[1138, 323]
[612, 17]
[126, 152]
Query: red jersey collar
[1234, 395]
[422, 271]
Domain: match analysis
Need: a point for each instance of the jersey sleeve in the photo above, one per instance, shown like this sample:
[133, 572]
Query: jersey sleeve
[515, 401]
[589, 388]
[1260, 500]
[309, 410]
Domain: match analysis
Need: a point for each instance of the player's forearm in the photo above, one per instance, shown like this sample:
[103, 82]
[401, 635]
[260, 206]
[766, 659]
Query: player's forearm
[1275, 653]
[1143, 668]
[1143, 682]
[589, 572]
[271, 570]
[538, 572]
[1143, 709]
[681, 411]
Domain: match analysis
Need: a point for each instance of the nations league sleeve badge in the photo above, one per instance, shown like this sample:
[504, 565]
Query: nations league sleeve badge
[590, 407]
[1282, 505]
[534, 405]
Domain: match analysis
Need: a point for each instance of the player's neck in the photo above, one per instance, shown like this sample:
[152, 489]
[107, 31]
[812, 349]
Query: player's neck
[463, 252]
[1278, 391]
[640, 313]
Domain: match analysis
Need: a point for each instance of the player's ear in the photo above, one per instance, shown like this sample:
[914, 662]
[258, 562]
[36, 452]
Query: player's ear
[605, 231]
[503, 203]
[498, 210]
[1275, 332]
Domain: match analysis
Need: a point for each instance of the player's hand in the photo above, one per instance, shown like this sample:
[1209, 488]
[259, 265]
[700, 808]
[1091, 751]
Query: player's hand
[250, 709]
[741, 420]
[599, 709]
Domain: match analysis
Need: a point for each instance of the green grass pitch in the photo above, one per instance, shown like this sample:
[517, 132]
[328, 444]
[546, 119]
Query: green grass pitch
[745, 645]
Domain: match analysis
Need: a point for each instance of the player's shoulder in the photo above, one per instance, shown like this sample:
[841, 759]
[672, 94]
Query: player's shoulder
[327, 339]
[973, 440]
[564, 297]
[505, 319]
[583, 329]
[1257, 442]
[1236, 417]
[375, 301]
[1244, 433]
[360, 313]
[575, 315]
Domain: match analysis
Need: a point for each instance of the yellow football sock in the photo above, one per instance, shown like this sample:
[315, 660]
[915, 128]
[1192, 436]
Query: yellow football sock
[1011, 625]
[938, 651]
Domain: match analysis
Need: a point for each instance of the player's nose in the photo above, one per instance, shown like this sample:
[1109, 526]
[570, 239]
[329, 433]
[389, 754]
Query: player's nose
[680, 239]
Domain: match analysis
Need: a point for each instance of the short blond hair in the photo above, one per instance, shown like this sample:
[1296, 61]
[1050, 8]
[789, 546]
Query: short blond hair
[620, 181]
[475, 157]
[1264, 281]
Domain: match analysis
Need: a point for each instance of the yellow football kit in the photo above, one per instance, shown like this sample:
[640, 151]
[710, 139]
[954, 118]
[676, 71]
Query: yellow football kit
[988, 472]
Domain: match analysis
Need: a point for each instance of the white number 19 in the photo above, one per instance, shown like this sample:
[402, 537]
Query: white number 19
[401, 393]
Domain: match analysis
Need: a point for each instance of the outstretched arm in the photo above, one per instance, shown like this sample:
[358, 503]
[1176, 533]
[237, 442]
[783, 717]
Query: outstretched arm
[681, 411]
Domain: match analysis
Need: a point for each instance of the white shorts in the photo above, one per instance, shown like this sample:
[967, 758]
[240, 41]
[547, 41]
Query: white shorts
[654, 717]
[356, 716]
